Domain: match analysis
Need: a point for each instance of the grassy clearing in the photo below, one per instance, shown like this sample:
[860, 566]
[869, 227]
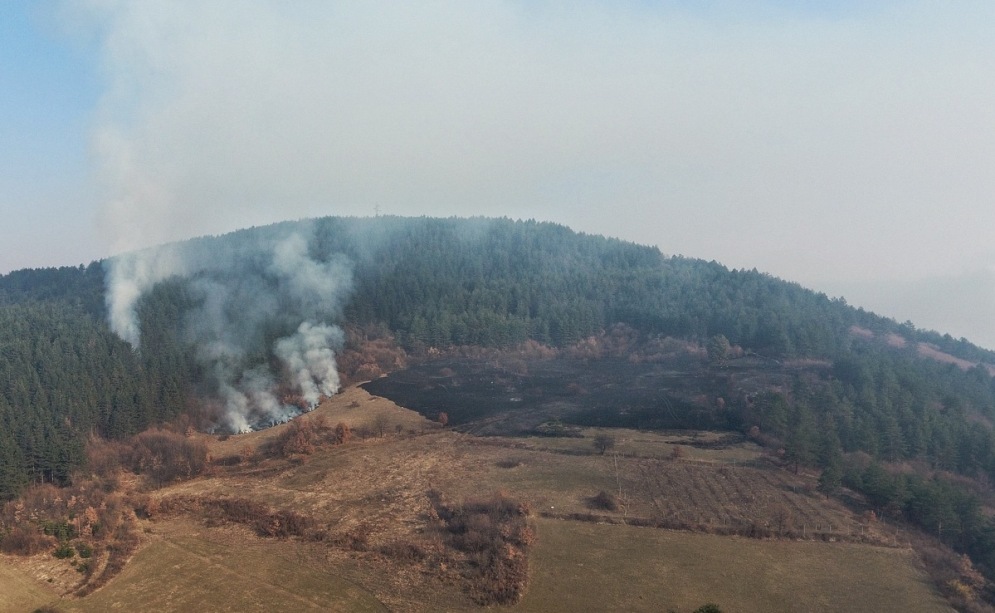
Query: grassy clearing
[645, 444]
[20, 592]
[591, 567]
[191, 574]
[714, 496]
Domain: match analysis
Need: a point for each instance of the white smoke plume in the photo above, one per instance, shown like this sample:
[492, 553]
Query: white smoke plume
[255, 296]
[131, 275]
[308, 354]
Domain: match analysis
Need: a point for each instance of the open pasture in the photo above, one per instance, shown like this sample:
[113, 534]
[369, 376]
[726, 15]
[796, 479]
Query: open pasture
[181, 572]
[18, 590]
[597, 567]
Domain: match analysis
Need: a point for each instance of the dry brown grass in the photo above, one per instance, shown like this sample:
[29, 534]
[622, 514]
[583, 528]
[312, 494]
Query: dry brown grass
[371, 523]
[597, 567]
[706, 494]
[741, 500]
[927, 350]
[20, 590]
[354, 407]
[187, 567]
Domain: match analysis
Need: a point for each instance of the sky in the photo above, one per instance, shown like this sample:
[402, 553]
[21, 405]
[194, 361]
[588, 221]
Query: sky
[847, 146]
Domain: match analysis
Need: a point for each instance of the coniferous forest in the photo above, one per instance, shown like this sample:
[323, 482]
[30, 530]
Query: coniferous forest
[445, 283]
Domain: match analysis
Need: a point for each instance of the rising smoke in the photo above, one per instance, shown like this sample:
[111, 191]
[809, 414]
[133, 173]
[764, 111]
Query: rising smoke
[262, 306]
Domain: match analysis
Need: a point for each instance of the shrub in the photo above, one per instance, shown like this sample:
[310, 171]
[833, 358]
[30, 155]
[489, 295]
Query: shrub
[494, 535]
[284, 523]
[148, 507]
[61, 530]
[356, 539]
[26, 540]
[229, 460]
[166, 456]
[297, 439]
[241, 510]
[342, 433]
[279, 523]
[63, 551]
[605, 501]
[404, 551]
[84, 550]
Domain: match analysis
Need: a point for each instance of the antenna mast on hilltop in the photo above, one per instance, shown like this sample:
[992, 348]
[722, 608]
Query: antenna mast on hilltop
[376, 210]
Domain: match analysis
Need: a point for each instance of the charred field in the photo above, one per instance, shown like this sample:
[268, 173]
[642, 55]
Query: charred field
[495, 396]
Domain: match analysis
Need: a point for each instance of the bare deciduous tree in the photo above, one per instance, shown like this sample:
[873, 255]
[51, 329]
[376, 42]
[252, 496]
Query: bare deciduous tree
[604, 442]
[621, 497]
[381, 423]
[782, 518]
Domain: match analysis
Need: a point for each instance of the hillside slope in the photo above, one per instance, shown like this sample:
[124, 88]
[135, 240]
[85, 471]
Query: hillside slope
[375, 539]
[243, 330]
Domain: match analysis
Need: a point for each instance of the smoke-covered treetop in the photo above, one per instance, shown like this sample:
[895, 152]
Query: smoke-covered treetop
[478, 281]
[257, 311]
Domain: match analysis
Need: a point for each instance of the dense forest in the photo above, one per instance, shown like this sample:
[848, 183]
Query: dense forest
[443, 283]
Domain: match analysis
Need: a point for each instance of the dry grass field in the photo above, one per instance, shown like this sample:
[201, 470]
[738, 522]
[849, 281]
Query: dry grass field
[19, 591]
[371, 544]
[184, 569]
[591, 567]
[726, 490]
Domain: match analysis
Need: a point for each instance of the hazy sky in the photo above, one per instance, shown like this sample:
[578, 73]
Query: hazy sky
[848, 146]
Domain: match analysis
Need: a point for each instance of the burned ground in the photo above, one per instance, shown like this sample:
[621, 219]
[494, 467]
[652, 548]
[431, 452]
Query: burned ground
[484, 397]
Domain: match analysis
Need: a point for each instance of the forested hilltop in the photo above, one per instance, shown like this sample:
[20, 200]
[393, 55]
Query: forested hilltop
[427, 284]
